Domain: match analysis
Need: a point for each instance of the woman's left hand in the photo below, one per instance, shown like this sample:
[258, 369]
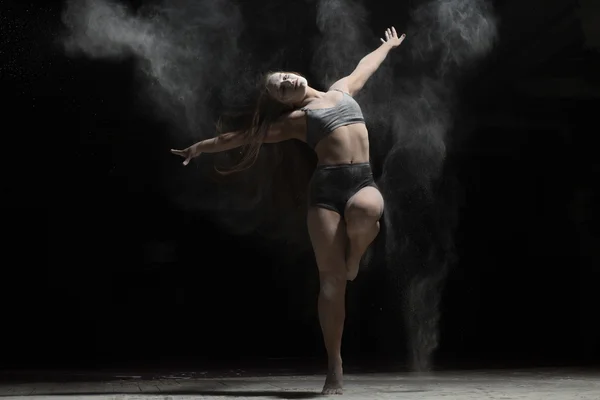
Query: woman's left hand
[391, 37]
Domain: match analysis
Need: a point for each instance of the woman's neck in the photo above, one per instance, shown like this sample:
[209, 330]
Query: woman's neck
[311, 94]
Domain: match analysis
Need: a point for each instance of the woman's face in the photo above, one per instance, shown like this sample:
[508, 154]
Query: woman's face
[287, 87]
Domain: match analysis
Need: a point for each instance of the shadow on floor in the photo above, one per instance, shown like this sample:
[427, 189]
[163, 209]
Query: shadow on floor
[276, 394]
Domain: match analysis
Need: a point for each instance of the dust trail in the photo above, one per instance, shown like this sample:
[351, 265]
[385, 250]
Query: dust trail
[341, 44]
[192, 66]
[174, 43]
[446, 38]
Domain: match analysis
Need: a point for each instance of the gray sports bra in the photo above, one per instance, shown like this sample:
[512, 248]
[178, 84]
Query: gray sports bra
[320, 122]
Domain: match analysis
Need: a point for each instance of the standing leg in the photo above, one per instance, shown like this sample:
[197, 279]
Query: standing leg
[362, 214]
[328, 236]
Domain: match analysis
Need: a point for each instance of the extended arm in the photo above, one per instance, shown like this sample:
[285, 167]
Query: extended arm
[223, 142]
[367, 66]
[279, 131]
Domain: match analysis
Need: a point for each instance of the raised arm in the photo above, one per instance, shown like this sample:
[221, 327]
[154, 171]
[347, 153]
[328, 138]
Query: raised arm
[280, 130]
[367, 66]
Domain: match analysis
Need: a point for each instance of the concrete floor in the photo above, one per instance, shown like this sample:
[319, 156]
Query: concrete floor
[546, 384]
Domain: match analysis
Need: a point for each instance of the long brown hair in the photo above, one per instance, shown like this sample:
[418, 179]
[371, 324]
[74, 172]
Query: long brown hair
[266, 111]
[290, 163]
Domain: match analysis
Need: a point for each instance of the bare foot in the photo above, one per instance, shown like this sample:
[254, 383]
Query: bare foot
[366, 259]
[334, 382]
[352, 264]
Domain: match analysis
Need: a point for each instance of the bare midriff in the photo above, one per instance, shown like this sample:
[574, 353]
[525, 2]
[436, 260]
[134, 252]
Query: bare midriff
[345, 145]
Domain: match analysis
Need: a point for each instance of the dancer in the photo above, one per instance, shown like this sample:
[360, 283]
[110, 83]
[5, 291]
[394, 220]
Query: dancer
[345, 205]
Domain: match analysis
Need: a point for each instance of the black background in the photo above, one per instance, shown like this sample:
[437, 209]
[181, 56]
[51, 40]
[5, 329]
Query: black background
[81, 285]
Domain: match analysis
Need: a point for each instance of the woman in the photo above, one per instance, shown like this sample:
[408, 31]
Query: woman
[345, 205]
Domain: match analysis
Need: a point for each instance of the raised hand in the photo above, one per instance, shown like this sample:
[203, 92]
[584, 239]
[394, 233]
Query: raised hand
[188, 154]
[391, 37]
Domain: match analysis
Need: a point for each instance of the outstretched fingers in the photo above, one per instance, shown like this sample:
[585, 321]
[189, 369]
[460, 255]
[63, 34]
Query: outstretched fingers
[390, 33]
[391, 37]
[183, 153]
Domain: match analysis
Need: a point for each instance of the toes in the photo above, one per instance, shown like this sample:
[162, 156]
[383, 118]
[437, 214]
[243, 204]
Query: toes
[351, 275]
[352, 268]
[329, 392]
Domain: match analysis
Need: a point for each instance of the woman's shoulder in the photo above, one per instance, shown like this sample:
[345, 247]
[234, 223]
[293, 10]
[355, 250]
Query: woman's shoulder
[341, 86]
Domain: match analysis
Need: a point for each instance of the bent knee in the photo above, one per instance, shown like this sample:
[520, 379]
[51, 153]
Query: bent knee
[363, 212]
[362, 218]
[366, 205]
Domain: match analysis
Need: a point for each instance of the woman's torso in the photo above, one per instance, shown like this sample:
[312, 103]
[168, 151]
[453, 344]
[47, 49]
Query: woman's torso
[345, 144]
